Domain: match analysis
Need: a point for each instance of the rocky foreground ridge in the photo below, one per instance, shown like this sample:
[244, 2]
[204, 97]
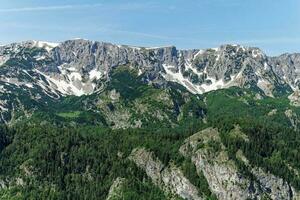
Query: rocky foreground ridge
[211, 158]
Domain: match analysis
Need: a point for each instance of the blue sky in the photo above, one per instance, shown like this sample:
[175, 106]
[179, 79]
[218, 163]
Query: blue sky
[273, 25]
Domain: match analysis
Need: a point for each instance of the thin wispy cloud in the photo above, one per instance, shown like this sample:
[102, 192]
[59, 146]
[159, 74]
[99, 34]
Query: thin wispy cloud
[111, 30]
[49, 8]
[135, 6]
[140, 34]
[124, 6]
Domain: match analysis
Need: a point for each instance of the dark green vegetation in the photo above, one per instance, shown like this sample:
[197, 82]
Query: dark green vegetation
[73, 163]
[77, 147]
[273, 142]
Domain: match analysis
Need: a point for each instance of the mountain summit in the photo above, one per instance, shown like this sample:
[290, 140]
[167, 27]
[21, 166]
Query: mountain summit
[42, 71]
[78, 67]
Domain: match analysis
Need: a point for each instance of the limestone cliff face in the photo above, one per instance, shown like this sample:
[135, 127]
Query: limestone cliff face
[116, 189]
[44, 71]
[78, 67]
[221, 173]
[288, 66]
[210, 156]
[169, 178]
[295, 98]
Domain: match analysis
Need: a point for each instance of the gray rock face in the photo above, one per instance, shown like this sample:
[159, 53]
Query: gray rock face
[80, 66]
[198, 70]
[288, 67]
[276, 187]
[87, 55]
[222, 173]
[295, 98]
[169, 179]
[46, 71]
[293, 118]
[116, 189]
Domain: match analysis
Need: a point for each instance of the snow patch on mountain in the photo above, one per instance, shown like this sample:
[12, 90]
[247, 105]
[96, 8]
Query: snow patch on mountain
[256, 53]
[95, 74]
[3, 59]
[62, 86]
[73, 76]
[28, 85]
[172, 75]
[198, 53]
[46, 45]
[215, 84]
[39, 57]
[70, 82]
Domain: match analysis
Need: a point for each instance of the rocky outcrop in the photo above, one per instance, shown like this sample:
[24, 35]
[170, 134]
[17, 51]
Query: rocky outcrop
[293, 118]
[275, 187]
[221, 173]
[169, 178]
[210, 157]
[116, 189]
[3, 184]
[288, 67]
[295, 98]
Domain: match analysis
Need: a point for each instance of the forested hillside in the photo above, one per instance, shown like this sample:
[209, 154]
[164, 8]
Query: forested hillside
[91, 120]
[69, 151]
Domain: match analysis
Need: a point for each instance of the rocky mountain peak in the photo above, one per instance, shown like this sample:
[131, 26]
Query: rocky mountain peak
[77, 67]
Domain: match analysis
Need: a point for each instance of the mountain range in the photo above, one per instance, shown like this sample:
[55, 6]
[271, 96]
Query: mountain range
[72, 66]
[83, 119]
[80, 67]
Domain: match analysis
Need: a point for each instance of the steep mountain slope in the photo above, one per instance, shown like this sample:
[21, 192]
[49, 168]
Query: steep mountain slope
[72, 66]
[288, 67]
[80, 67]
[223, 174]
[253, 142]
